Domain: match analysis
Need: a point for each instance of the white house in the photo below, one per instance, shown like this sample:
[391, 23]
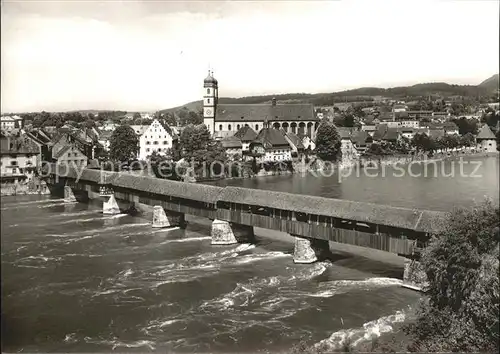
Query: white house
[156, 138]
[9, 123]
[486, 140]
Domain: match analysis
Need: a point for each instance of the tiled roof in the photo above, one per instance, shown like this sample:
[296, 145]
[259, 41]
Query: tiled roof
[380, 132]
[270, 137]
[21, 145]
[295, 139]
[361, 137]
[391, 134]
[485, 133]
[259, 112]
[436, 133]
[246, 134]
[231, 142]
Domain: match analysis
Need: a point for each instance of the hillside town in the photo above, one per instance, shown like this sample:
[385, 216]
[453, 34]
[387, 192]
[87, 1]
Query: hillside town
[272, 134]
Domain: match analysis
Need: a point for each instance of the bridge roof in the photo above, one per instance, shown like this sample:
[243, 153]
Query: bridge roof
[192, 191]
[418, 220]
[90, 175]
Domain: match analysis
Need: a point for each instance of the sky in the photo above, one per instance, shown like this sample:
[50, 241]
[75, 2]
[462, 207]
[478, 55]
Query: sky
[149, 55]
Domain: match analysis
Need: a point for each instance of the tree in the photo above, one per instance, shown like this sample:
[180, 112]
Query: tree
[466, 125]
[197, 145]
[136, 116]
[169, 119]
[328, 144]
[467, 140]
[498, 140]
[422, 142]
[123, 144]
[462, 307]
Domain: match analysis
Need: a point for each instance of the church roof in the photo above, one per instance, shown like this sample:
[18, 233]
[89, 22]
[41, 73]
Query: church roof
[485, 133]
[210, 79]
[259, 112]
[246, 134]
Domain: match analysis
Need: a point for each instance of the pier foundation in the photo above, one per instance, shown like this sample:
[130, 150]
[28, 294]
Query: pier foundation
[162, 219]
[225, 233]
[308, 250]
[414, 276]
[111, 206]
[69, 197]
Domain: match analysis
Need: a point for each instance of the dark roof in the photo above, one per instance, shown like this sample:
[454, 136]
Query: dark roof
[192, 191]
[380, 131]
[361, 137]
[231, 142]
[20, 145]
[391, 134]
[65, 149]
[210, 79]
[485, 133]
[246, 134]
[427, 221]
[295, 139]
[259, 112]
[270, 137]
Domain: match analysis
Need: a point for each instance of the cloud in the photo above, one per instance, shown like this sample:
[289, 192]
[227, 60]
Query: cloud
[152, 55]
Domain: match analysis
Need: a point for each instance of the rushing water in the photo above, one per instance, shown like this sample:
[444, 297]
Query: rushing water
[74, 280]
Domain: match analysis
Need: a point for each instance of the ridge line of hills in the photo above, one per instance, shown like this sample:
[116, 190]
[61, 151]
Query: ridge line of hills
[488, 87]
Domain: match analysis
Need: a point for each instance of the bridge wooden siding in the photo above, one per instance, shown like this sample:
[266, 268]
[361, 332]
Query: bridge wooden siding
[391, 229]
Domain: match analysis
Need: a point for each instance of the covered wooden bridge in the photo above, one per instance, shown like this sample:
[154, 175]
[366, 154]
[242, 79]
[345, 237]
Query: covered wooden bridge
[313, 221]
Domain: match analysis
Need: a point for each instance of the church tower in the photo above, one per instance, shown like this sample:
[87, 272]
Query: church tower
[210, 96]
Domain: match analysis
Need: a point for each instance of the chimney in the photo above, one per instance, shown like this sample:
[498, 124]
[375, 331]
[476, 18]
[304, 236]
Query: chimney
[273, 101]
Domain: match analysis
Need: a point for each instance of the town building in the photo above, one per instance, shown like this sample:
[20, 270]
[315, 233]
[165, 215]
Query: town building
[157, 138]
[271, 145]
[233, 146]
[295, 143]
[246, 136]
[226, 119]
[18, 158]
[486, 140]
[9, 123]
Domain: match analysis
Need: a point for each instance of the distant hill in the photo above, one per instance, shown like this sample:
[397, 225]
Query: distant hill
[490, 84]
[486, 88]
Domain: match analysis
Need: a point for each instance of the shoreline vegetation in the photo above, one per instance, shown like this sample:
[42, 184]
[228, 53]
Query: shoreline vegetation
[460, 310]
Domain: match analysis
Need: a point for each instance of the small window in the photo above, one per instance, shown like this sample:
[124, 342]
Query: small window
[69, 154]
[229, 127]
[165, 142]
[238, 127]
[208, 100]
[220, 127]
[148, 142]
[159, 149]
[256, 127]
[13, 163]
[147, 150]
[208, 91]
[155, 142]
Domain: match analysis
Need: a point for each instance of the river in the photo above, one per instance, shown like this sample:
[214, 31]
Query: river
[74, 280]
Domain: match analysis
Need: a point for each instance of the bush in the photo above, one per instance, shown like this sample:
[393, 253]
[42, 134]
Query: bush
[461, 263]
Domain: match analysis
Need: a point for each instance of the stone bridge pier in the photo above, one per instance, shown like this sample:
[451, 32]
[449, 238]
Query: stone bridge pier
[161, 218]
[226, 233]
[69, 196]
[308, 250]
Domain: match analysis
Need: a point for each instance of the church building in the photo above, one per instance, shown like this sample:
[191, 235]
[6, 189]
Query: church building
[224, 120]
